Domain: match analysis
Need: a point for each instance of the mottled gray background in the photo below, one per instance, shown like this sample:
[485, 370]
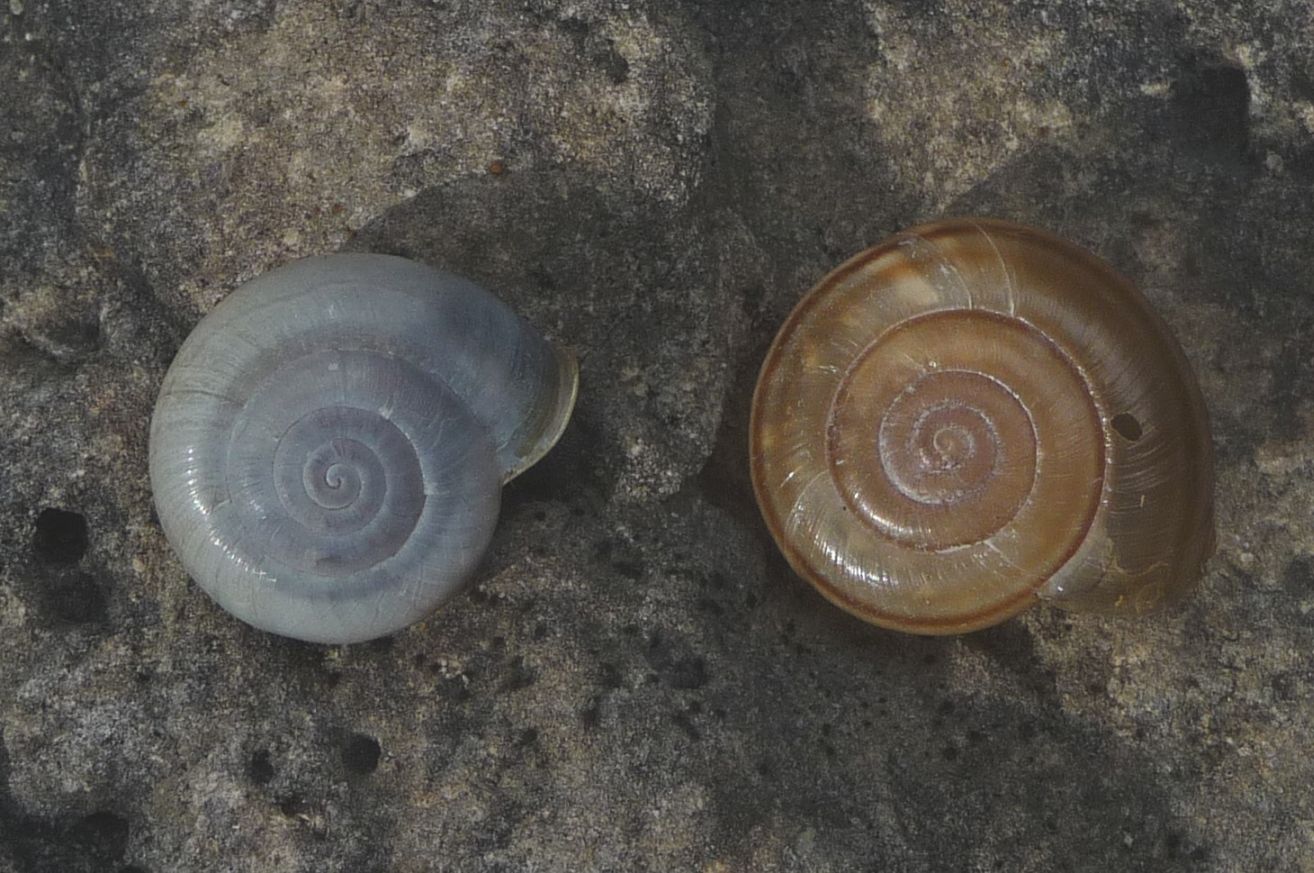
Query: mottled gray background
[637, 682]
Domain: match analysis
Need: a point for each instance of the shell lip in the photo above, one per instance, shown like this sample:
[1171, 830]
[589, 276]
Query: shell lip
[557, 414]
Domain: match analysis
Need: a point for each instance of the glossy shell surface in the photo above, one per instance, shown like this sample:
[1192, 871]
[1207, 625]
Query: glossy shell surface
[972, 416]
[329, 445]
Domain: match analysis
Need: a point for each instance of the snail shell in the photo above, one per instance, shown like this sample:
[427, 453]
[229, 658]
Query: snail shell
[974, 415]
[329, 445]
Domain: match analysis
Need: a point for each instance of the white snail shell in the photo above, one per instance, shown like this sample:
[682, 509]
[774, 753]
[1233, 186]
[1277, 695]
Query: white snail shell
[329, 445]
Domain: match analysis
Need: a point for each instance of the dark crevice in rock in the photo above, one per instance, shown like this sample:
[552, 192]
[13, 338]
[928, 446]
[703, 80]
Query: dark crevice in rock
[61, 536]
[360, 754]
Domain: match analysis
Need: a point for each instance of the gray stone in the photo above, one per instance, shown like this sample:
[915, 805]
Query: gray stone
[637, 681]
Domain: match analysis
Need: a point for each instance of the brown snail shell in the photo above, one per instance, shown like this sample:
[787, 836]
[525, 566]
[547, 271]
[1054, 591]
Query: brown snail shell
[975, 415]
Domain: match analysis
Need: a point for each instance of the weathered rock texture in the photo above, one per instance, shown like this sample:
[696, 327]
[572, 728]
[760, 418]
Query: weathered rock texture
[637, 682]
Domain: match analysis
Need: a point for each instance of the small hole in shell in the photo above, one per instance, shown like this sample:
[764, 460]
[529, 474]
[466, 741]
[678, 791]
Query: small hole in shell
[1128, 426]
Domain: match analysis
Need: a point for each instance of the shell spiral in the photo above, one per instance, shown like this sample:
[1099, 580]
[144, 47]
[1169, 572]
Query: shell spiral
[974, 415]
[329, 445]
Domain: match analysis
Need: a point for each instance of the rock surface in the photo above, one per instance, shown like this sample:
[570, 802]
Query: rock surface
[637, 681]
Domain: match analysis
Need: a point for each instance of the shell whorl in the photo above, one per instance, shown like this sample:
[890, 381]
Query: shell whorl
[329, 444]
[974, 415]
